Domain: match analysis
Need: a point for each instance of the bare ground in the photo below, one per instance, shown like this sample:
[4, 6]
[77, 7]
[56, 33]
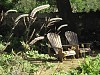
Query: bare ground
[64, 66]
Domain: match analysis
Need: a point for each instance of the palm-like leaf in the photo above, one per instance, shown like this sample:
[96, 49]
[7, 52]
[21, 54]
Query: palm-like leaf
[35, 10]
[53, 20]
[10, 11]
[36, 39]
[21, 16]
[62, 26]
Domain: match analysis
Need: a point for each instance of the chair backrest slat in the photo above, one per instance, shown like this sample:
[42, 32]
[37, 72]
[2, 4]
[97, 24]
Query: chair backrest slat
[55, 41]
[71, 37]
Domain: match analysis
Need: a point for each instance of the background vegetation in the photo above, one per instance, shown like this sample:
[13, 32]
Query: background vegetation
[27, 5]
[85, 5]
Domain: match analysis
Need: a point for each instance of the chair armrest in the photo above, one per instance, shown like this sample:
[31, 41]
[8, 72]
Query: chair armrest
[85, 45]
[57, 47]
[70, 46]
[54, 47]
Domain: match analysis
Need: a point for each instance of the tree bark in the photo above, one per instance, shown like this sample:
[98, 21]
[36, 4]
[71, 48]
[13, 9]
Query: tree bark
[65, 12]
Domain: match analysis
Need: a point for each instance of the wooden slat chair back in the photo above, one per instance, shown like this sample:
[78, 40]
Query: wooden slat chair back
[71, 37]
[56, 44]
[55, 41]
[73, 40]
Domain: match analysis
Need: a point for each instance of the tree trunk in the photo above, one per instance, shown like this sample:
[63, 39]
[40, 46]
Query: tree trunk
[65, 12]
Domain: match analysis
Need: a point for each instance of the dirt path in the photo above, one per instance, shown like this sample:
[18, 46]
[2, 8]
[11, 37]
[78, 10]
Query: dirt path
[66, 65]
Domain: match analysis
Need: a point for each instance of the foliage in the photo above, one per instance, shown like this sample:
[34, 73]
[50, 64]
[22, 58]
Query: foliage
[27, 34]
[2, 46]
[27, 5]
[90, 66]
[77, 5]
[13, 64]
[34, 54]
[85, 5]
[25, 46]
[52, 7]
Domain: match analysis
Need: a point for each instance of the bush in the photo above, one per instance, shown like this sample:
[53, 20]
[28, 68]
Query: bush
[25, 5]
[85, 5]
[90, 66]
[11, 64]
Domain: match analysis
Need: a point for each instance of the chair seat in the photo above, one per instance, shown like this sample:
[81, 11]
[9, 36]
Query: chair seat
[69, 53]
[84, 50]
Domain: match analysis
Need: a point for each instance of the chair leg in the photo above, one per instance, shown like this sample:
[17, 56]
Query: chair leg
[49, 51]
[60, 57]
[77, 54]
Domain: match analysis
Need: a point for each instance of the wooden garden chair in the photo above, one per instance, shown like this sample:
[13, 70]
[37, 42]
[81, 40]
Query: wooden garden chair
[73, 40]
[56, 44]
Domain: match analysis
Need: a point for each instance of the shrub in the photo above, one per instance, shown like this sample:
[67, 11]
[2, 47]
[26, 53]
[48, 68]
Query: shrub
[85, 5]
[13, 64]
[90, 66]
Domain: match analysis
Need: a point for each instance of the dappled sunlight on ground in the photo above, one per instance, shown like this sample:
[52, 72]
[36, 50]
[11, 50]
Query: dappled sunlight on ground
[65, 66]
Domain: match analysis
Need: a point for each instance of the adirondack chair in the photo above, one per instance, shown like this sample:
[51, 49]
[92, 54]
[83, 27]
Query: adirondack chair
[56, 44]
[73, 40]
